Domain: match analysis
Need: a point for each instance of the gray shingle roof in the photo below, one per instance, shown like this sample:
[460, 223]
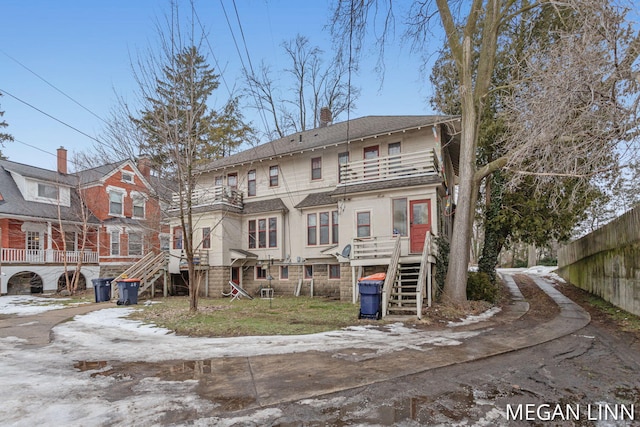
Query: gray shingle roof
[316, 199]
[96, 174]
[272, 205]
[337, 133]
[13, 204]
[383, 185]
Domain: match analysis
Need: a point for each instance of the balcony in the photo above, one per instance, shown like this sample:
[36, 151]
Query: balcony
[397, 166]
[211, 196]
[47, 256]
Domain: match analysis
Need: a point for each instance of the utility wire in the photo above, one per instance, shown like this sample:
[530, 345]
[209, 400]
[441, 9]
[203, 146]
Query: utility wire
[53, 86]
[50, 116]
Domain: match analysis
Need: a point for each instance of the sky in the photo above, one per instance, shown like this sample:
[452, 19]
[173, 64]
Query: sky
[64, 64]
[76, 397]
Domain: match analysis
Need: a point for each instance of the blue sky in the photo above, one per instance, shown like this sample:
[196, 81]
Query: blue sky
[83, 48]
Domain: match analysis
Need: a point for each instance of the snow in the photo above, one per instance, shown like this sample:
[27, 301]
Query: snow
[544, 271]
[42, 384]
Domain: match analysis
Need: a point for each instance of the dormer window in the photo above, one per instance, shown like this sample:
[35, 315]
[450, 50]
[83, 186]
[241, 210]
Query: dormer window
[47, 191]
[127, 177]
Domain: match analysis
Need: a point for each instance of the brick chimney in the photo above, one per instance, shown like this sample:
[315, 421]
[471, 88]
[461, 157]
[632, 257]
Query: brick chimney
[62, 160]
[325, 117]
[144, 166]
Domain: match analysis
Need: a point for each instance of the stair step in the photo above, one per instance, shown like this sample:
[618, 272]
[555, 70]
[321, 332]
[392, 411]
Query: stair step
[405, 309]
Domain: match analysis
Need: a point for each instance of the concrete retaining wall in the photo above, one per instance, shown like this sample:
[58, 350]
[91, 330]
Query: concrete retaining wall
[606, 262]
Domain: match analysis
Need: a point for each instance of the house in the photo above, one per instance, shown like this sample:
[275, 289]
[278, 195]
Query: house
[121, 197]
[314, 211]
[45, 230]
[109, 217]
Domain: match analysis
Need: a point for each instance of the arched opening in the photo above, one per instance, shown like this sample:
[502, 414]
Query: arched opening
[24, 283]
[62, 281]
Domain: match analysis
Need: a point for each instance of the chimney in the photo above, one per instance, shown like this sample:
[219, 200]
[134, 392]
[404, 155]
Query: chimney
[144, 166]
[325, 117]
[62, 160]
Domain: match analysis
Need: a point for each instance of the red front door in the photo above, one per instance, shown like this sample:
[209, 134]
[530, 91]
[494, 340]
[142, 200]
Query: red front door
[419, 223]
[235, 275]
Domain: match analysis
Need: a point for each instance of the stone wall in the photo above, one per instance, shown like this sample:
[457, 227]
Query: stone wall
[606, 262]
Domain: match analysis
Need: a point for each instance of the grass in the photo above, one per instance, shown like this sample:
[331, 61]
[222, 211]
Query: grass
[625, 320]
[224, 318]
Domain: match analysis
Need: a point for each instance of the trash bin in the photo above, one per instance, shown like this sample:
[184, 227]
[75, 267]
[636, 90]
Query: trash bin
[371, 296]
[102, 289]
[128, 291]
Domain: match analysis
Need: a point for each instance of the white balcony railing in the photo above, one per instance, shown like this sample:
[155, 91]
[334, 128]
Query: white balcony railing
[373, 247]
[47, 256]
[211, 196]
[397, 166]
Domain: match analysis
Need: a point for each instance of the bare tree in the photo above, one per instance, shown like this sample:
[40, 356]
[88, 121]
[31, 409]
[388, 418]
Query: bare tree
[565, 153]
[313, 85]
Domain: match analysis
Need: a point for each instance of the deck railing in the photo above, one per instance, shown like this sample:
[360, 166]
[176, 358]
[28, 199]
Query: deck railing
[420, 163]
[47, 256]
[373, 247]
[211, 196]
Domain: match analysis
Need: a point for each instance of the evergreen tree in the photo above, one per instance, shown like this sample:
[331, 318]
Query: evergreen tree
[4, 137]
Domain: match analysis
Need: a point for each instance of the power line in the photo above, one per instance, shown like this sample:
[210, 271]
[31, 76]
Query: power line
[50, 116]
[54, 87]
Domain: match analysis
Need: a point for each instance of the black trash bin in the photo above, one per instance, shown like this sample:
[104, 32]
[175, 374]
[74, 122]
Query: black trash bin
[128, 291]
[102, 289]
[371, 296]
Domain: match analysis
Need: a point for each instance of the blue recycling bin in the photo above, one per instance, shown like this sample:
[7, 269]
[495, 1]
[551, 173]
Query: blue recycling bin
[370, 298]
[128, 291]
[102, 289]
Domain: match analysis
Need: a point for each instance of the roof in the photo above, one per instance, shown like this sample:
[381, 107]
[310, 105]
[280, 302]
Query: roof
[338, 133]
[316, 199]
[88, 176]
[271, 205]
[14, 204]
[39, 173]
[383, 185]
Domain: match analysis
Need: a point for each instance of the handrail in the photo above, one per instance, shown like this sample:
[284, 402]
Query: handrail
[390, 278]
[426, 251]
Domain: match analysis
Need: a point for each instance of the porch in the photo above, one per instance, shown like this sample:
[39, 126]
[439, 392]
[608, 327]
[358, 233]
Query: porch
[217, 195]
[396, 166]
[47, 256]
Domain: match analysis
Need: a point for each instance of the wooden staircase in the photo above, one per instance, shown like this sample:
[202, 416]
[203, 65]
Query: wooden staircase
[404, 293]
[148, 269]
[408, 282]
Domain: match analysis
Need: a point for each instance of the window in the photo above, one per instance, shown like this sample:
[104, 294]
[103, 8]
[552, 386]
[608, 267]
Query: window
[206, 238]
[70, 240]
[394, 156]
[251, 183]
[284, 272]
[177, 238]
[252, 234]
[262, 233]
[273, 232]
[343, 159]
[165, 242]
[308, 271]
[232, 180]
[217, 181]
[115, 203]
[260, 236]
[316, 168]
[261, 273]
[364, 224]
[127, 177]
[273, 176]
[138, 206]
[47, 191]
[400, 217]
[33, 240]
[115, 242]
[311, 229]
[135, 244]
[334, 271]
[371, 162]
[322, 228]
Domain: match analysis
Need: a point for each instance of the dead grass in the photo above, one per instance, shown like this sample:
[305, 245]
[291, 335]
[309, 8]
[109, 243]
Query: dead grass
[225, 318]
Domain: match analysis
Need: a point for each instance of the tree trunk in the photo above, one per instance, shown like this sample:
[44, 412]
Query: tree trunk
[532, 258]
